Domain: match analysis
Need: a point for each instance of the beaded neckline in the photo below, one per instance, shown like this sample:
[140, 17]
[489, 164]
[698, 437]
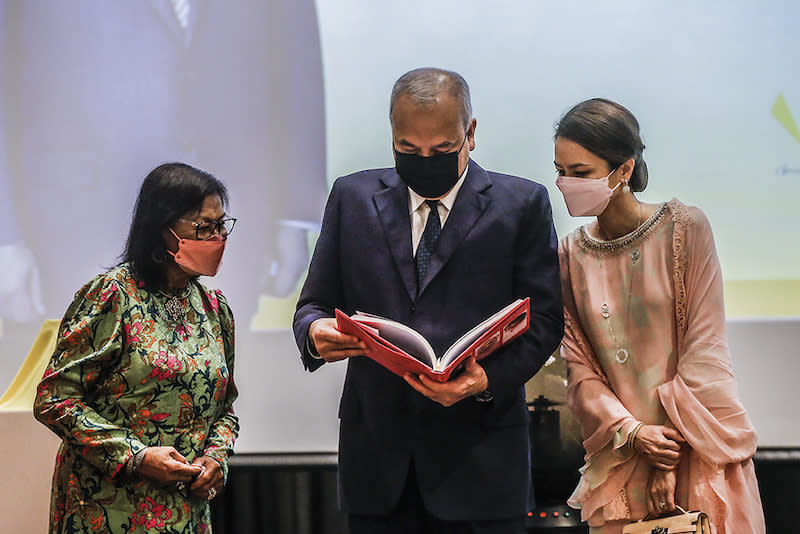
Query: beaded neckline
[603, 248]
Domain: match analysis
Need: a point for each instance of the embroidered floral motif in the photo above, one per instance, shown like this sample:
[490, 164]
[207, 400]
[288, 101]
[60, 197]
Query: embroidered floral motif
[222, 386]
[133, 331]
[167, 365]
[184, 330]
[213, 301]
[108, 294]
[152, 515]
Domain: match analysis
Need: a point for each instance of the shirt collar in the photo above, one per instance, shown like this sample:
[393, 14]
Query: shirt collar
[415, 201]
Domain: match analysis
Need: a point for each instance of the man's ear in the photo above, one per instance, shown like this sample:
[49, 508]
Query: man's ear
[473, 124]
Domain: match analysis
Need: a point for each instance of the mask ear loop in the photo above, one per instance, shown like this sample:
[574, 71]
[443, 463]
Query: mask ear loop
[625, 189]
[179, 238]
[464, 142]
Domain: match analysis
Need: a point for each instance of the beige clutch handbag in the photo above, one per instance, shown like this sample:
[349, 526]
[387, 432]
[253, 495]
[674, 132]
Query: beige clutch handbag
[684, 522]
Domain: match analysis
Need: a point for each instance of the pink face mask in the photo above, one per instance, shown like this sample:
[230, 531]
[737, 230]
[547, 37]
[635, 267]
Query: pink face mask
[585, 196]
[199, 256]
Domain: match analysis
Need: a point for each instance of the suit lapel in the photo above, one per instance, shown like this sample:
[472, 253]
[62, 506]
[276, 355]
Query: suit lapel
[392, 206]
[470, 204]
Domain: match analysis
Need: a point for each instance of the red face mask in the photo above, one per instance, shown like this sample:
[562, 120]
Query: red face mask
[196, 256]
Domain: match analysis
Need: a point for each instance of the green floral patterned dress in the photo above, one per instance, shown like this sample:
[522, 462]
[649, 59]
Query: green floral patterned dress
[124, 377]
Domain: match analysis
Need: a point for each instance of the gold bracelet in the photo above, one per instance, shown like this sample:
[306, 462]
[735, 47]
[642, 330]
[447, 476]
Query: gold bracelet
[632, 435]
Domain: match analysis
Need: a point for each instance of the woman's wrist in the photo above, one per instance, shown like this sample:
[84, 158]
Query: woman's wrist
[134, 462]
[212, 457]
[632, 436]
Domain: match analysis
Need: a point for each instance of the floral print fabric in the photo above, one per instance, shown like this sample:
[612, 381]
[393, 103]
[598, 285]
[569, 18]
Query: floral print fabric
[124, 377]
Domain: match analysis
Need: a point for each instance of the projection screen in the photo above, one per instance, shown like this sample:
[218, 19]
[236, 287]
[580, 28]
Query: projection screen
[278, 98]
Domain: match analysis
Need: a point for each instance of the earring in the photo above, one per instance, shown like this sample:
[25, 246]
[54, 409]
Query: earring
[626, 188]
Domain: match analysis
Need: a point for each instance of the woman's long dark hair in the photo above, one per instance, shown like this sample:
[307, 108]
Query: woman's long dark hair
[170, 191]
[608, 130]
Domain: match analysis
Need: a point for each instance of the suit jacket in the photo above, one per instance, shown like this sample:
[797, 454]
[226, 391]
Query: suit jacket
[472, 460]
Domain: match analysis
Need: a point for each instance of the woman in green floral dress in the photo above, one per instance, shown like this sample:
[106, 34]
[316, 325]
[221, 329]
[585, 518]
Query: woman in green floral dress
[140, 386]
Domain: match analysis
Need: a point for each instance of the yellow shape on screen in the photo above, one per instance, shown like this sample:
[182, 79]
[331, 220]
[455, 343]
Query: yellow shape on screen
[762, 298]
[781, 111]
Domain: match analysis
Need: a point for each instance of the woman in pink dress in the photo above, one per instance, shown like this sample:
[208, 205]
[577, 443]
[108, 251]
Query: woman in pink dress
[649, 372]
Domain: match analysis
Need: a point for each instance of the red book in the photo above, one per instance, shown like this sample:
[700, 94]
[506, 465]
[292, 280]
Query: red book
[402, 349]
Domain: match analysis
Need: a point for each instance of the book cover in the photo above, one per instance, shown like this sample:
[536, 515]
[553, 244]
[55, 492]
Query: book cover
[403, 350]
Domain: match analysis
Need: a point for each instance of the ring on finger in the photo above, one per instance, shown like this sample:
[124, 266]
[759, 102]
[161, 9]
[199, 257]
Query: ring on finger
[180, 485]
[212, 493]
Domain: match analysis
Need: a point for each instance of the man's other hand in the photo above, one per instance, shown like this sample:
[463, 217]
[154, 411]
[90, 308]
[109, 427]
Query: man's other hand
[331, 344]
[470, 382]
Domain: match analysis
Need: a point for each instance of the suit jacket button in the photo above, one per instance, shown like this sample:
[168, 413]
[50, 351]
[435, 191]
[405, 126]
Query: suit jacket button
[413, 308]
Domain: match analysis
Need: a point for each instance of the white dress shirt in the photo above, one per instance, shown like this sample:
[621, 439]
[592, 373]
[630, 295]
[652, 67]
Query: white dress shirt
[419, 210]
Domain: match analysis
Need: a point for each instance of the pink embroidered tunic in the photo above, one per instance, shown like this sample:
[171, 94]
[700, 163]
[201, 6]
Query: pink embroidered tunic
[645, 341]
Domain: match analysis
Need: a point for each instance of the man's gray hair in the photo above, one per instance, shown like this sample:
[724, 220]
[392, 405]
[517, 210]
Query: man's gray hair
[424, 85]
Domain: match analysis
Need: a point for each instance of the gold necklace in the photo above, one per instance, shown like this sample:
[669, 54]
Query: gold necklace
[175, 305]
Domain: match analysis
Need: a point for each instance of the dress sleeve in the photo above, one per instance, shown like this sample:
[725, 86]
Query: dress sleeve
[589, 395]
[605, 423]
[702, 400]
[89, 345]
[223, 432]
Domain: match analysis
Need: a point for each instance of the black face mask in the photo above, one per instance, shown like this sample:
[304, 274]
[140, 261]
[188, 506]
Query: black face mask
[429, 177]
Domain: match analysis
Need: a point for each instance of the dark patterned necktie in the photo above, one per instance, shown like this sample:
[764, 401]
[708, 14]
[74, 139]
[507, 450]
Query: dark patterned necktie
[427, 242]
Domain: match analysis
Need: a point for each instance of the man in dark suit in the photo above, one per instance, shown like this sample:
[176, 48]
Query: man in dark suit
[414, 455]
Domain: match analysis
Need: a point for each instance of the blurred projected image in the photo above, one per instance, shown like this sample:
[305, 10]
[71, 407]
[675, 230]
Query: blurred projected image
[93, 94]
[782, 112]
[771, 296]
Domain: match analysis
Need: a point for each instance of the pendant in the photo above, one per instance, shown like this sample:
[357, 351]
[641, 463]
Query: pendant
[175, 309]
[635, 255]
[604, 312]
[174, 306]
[622, 356]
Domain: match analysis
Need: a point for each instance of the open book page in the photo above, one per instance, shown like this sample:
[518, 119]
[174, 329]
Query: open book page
[392, 358]
[399, 335]
[457, 348]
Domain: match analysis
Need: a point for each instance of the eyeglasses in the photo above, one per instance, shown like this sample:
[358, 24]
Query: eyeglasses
[208, 229]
